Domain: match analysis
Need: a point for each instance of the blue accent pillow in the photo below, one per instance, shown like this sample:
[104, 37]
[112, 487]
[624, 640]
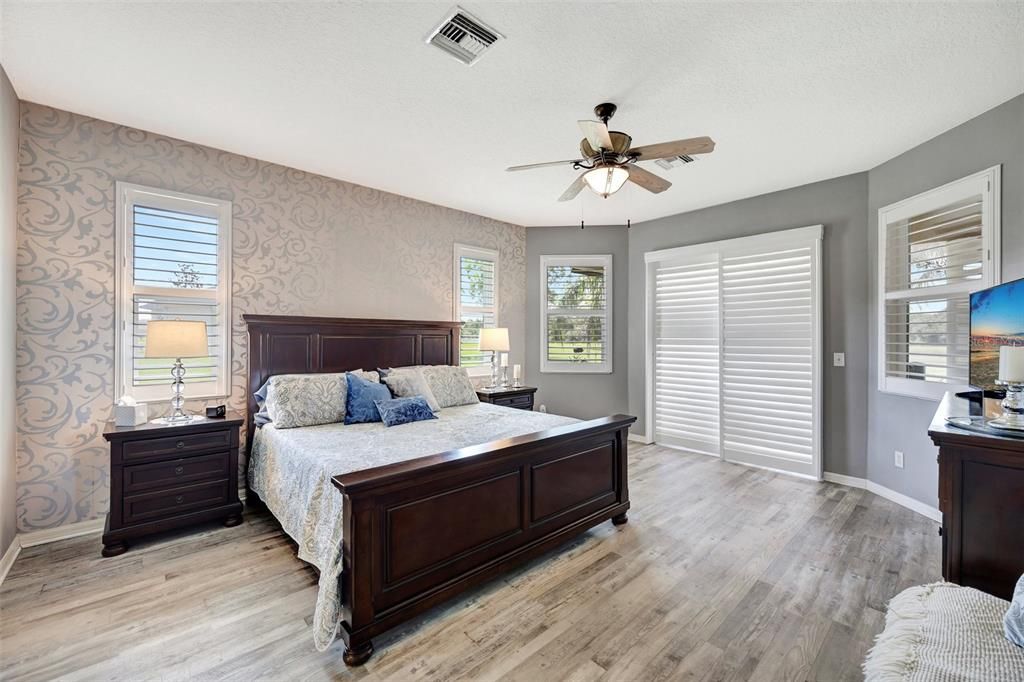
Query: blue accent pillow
[262, 417]
[1013, 621]
[359, 403]
[404, 410]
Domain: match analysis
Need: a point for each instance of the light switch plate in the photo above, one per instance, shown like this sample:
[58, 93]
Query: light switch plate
[839, 359]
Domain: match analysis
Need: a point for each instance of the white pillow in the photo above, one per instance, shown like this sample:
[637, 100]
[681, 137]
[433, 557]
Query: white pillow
[406, 382]
[450, 385]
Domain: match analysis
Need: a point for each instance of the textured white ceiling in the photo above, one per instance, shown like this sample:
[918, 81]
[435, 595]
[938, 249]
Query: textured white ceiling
[792, 93]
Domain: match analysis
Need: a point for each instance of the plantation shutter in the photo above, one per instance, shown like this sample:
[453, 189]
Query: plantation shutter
[577, 313]
[769, 359]
[933, 260]
[733, 332]
[477, 300]
[686, 354]
[175, 250]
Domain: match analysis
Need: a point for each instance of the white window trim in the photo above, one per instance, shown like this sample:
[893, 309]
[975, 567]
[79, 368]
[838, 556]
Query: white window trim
[560, 367]
[458, 252]
[987, 184]
[127, 196]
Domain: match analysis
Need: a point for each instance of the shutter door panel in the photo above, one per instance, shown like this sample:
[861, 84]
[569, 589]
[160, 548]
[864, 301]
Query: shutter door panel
[686, 355]
[768, 372]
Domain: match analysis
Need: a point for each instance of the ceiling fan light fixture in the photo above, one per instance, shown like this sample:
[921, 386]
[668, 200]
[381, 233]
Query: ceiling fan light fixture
[606, 180]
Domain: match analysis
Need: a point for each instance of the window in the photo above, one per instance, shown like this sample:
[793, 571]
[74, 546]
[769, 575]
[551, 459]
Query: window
[934, 250]
[476, 303]
[576, 316]
[173, 253]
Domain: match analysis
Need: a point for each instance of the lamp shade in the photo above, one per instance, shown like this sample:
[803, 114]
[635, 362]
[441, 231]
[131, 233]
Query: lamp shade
[606, 180]
[494, 338]
[176, 339]
[1011, 364]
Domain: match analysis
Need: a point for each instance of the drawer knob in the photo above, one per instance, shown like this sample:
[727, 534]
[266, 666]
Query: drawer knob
[180, 444]
[179, 499]
[179, 470]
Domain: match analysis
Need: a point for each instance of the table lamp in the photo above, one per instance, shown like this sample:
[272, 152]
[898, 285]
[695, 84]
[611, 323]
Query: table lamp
[176, 339]
[1011, 375]
[494, 339]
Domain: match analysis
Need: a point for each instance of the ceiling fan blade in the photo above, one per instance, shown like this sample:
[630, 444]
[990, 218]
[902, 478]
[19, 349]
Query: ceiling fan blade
[596, 134]
[575, 188]
[664, 150]
[543, 165]
[648, 180]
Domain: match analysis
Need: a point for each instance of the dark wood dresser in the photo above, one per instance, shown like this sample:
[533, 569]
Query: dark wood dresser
[164, 477]
[981, 496]
[520, 398]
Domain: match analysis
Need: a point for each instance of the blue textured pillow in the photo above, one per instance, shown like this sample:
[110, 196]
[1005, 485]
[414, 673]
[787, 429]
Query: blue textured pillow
[404, 410]
[262, 417]
[359, 403]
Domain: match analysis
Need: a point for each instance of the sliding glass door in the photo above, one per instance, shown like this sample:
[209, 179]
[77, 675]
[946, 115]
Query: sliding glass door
[733, 337]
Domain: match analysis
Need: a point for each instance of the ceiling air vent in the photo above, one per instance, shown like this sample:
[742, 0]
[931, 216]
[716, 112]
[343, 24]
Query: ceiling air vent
[675, 162]
[463, 36]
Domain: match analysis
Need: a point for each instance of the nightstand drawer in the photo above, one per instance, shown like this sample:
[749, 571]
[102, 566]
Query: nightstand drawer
[176, 472]
[522, 402]
[149, 506]
[160, 448]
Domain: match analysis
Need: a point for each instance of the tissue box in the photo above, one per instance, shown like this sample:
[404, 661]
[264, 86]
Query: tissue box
[130, 415]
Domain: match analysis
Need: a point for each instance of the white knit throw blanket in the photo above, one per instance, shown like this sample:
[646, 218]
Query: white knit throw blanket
[944, 632]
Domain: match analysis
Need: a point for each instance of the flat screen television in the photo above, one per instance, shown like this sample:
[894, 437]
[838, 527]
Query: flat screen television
[997, 319]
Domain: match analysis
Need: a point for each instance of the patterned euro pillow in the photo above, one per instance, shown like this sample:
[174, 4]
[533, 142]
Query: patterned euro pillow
[1013, 620]
[294, 400]
[450, 385]
[359, 402]
[397, 411]
[407, 382]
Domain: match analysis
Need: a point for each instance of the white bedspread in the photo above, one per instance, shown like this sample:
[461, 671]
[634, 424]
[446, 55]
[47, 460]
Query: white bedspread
[291, 470]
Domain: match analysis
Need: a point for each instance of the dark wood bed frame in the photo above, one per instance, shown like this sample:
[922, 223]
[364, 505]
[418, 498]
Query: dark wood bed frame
[421, 531]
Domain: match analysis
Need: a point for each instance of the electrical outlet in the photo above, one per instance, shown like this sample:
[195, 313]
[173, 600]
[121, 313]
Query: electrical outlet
[839, 359]
[543, 407]
[897, 456]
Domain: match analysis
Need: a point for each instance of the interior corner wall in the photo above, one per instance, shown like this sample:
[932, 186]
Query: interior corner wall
[9, 107]
[840, 204]
[995, 137]
[585, 396]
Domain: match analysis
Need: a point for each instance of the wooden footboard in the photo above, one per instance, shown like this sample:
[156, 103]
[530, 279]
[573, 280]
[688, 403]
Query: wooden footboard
[419, 532]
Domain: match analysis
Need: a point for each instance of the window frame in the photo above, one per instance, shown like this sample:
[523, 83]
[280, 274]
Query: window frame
[985, 183]
[459, 250]
[127, 196]
[562, 366]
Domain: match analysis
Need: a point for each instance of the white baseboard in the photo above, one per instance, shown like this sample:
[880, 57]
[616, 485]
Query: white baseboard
[9, 556]
[899, 498]
[71, 530]
[638, 438]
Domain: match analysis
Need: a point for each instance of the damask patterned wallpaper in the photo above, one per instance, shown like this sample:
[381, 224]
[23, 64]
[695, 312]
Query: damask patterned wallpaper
[302, 244]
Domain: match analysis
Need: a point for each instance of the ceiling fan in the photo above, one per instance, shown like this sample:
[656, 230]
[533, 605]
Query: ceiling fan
[609, 160]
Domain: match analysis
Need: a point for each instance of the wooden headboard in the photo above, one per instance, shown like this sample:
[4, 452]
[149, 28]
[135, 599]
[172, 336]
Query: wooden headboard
[283, 344]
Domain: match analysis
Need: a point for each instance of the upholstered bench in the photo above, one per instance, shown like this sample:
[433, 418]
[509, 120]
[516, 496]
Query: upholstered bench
[944, 632]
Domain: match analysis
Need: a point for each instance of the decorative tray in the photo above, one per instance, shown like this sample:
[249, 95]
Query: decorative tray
[984, 425]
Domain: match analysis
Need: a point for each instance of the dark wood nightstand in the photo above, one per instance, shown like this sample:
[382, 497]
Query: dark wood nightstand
[520, 398]
[164, 477]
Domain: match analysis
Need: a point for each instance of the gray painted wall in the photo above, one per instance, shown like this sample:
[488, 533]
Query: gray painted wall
[840, 205]
[995, 137]
[8, 329]
[585, 396]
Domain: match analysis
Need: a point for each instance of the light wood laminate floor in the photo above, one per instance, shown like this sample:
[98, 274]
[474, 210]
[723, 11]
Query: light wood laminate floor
[723, 573]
